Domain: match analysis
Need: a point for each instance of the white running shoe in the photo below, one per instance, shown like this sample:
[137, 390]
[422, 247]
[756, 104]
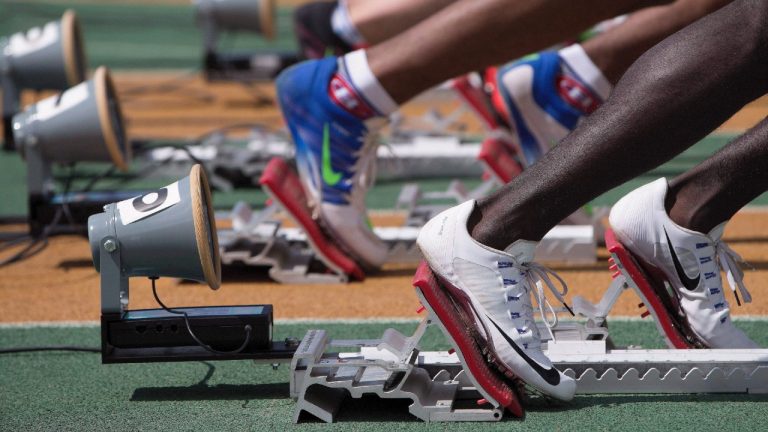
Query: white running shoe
[495, 288]
[686, 261]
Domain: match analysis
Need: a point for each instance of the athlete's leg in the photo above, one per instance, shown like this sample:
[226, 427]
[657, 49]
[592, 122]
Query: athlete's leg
[674, 231]
[715, 190]
[337, 27]
[472, 34]
[331, 105]
[615, 50]
[378, 20]
[545, 96]
[671, 97]
[674, 95]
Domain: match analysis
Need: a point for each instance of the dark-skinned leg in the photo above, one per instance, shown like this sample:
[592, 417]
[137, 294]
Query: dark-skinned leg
[615, 50]
[713, 191]
[545, 96]
[674, 95]
[379, 20]
[482, 33]
[333, 106]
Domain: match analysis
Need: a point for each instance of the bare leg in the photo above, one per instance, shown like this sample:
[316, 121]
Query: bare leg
[615, 50]
[471, 34]
[674, 95]
[715, 190]
[378, 20]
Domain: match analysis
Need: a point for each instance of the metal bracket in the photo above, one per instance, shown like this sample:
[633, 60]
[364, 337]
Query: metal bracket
[321, 378]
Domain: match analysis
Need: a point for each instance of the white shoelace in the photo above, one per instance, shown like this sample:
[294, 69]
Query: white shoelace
[729, 260]
[538, 276]
[365, 168]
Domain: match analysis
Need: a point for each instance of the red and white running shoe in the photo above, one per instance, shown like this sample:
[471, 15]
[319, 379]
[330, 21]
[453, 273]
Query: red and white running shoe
[682, 267]
[494, 289]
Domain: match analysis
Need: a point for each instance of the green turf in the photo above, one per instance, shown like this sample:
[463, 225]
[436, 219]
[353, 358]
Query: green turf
[127, 36]
[72, 391]
[383, 195]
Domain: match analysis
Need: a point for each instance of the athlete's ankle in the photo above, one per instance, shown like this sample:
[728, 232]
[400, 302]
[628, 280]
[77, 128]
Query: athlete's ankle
[484, 228]
[356, 89]
[344, 27]
[687, 207]
[582, 82]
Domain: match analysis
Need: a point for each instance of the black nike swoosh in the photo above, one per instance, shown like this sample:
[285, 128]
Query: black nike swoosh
[688, 283]
[551, 375]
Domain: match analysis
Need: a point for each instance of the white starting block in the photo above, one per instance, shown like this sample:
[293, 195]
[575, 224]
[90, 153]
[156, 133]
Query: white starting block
[446, 386]
[309, 255]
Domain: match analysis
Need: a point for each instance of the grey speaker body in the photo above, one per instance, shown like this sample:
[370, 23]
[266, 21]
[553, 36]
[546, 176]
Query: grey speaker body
[249, 15]
[36, 59]
[65, 127]
[170, 232]
[83, 123]
[49, 57]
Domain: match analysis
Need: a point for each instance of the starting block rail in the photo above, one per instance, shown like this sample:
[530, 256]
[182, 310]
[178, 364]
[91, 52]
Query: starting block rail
[442, 389]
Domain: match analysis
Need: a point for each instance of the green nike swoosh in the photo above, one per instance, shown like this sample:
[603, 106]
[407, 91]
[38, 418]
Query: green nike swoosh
[330, 177]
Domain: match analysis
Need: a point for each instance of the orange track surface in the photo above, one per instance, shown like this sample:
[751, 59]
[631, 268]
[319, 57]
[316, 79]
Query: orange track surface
[61, 284]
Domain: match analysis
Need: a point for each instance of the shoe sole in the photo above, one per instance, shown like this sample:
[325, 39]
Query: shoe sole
[494, 382]
[647, 281]
[313, 209]
[283, 184]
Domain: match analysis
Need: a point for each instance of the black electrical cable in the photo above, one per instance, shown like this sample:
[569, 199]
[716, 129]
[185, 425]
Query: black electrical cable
[49, 348]
[208, 348]
[36, 244]
[186, 147]
[91, 183]
[65, 197]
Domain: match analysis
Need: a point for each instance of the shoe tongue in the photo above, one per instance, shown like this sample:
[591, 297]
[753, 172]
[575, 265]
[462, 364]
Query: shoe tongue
[522, 250]
[717, 232]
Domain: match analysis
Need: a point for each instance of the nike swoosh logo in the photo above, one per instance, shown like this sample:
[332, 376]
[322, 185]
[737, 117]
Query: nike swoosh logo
[688, 283]
[551, 375]
[330, 177]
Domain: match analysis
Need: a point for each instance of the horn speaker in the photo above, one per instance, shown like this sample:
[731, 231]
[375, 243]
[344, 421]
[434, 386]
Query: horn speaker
[51, 57]
[169, 232]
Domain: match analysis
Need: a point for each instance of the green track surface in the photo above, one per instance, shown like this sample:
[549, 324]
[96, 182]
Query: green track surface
[61, 391]
[126, 36]
[383, 195]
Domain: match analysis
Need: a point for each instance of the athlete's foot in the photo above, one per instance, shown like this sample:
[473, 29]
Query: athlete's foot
[687, 261]
[494, 288]
[543, 98]
[335, 152]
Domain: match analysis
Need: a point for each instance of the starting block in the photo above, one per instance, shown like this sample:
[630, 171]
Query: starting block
[459, 385]
[307, 254]
[393, 367]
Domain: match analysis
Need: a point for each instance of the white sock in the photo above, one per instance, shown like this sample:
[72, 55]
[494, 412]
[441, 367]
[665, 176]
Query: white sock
[355, 67]
[342, 25]
[586, 70]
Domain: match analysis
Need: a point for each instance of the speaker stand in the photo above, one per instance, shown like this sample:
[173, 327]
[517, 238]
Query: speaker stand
[155, 335]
